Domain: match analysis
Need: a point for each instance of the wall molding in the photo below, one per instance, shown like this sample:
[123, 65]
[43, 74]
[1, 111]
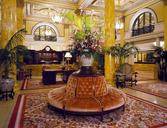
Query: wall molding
[144, 5]
[139, 13]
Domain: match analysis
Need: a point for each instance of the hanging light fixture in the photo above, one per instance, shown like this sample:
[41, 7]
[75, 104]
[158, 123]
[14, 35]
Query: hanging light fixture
[57, 19]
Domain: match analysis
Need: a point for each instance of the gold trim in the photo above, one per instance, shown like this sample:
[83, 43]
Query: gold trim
[51, 3]
[141, 6]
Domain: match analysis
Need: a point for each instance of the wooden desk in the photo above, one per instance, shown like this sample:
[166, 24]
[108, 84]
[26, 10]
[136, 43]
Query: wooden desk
[49, 75]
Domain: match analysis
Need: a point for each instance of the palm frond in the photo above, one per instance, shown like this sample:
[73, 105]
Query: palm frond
[124, 51]
[13, 49]
[16, 39]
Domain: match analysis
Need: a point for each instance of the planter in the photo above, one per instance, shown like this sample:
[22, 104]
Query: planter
[6, 88]
[86, 61]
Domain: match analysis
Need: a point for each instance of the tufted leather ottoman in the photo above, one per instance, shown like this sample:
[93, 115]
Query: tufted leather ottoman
[86, 95]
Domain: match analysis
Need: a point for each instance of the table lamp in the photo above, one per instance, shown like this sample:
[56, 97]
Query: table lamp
[68, 56]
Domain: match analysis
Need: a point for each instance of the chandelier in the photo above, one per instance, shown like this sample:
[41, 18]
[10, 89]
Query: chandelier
[57, 19]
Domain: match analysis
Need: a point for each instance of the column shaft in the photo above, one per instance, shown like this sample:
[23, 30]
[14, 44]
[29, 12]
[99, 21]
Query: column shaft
[9, 21]
[165, 25]
[20, 6]
[8, 24]
[122, 32]
[109, 39]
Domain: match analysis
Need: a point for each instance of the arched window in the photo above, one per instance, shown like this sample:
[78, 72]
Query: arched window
[45, 33]
[144, 23]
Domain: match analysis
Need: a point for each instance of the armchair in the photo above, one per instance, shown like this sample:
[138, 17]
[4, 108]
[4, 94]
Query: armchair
[125, 74]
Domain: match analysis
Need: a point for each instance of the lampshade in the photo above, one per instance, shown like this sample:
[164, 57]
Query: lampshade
[68, 55]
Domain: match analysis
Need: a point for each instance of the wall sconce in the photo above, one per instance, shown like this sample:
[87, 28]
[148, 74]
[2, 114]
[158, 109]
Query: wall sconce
[119, 23]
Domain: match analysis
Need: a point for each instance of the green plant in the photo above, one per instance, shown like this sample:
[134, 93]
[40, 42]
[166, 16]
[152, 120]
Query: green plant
[158, 53]
[86, 41]
[121, 52]
[10, 55]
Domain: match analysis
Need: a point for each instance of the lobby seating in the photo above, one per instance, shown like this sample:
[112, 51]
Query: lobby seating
[125, 75]
[86, 95]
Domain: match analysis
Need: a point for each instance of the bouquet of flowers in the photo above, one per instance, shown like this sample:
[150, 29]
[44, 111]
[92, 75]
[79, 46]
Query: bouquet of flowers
[86, 41]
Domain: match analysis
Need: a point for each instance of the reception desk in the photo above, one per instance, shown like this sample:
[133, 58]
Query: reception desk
[49, 75]
[146, 71]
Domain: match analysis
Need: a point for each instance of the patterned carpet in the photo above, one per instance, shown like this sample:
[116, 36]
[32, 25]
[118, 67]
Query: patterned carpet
[157, 89]
[37, 84]
[35, 114]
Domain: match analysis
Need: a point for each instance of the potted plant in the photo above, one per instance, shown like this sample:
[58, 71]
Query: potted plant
[86, 41]
[160, 57]
[121, 52]
[8, 58]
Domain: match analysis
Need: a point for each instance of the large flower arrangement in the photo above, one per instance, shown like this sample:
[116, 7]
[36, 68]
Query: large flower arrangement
[86, 40]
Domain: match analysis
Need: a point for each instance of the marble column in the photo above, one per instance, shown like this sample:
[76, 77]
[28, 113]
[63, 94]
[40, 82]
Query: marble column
[109, 40]
[9, 21]
[122, 32]
[8, 24]
[165, 24]
[20, 6]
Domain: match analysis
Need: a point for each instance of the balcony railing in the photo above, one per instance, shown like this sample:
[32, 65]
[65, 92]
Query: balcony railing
[143, 30]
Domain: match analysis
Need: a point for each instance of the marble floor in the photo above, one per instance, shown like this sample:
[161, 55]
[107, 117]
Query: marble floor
[6, 107]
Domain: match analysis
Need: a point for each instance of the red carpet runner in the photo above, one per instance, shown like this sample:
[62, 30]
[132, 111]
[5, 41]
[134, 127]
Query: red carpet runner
[31, 111]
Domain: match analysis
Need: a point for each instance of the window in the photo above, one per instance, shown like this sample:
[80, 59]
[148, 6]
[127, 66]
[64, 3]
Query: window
[45, 33]
[143, 24]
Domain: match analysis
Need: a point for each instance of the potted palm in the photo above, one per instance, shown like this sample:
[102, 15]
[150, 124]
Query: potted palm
[121, 52]
[8, 58]
[160, 57]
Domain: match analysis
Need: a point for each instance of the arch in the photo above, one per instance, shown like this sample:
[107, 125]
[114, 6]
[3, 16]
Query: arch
[48, 24]
[139, 13]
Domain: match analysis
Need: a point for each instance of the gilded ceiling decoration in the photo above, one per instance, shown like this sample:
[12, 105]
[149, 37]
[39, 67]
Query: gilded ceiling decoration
[44, 11]
[120, 5]
[49, 11]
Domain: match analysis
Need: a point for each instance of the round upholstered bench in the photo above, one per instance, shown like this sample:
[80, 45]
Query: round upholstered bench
[86, 95]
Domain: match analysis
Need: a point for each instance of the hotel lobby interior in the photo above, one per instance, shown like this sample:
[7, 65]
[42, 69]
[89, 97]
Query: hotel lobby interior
[83, 64]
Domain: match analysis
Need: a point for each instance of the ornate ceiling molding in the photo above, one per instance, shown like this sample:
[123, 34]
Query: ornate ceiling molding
[53, 3]
[141, 5]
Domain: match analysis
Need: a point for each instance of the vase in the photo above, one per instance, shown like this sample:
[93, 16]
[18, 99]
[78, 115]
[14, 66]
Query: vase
[7, 85]
[86, 61]
[7, 88]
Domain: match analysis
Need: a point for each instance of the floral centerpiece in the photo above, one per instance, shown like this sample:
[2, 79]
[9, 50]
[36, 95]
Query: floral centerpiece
[86, 41]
